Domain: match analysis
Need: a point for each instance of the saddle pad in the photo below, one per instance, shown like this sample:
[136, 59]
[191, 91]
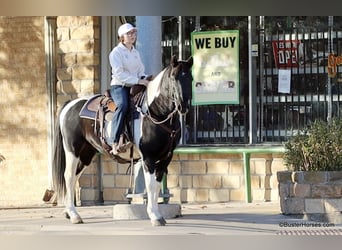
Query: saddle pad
[90, 108]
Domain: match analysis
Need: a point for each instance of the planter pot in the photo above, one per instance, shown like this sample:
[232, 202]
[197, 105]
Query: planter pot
[316, 196]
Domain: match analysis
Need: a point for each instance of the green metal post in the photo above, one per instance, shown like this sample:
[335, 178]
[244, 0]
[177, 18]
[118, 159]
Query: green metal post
[247, 173]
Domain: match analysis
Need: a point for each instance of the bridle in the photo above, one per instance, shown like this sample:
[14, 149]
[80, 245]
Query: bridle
[176, 100]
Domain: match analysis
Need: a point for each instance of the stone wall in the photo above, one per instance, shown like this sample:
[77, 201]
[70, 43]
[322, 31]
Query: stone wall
[23, 111]
[23, 96]
[78, 57]
[316, 195]
[195, 178]
[78, 74]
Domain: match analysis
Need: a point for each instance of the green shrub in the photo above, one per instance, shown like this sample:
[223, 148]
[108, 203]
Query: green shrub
[317, 148]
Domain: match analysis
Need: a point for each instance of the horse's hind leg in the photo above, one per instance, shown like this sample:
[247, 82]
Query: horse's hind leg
[153, 188]
[70, 183]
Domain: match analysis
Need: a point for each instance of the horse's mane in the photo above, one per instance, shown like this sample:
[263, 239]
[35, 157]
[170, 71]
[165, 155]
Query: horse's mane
[164, 85]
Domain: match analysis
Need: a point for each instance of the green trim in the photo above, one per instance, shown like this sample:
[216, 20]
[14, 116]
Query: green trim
[229, 150]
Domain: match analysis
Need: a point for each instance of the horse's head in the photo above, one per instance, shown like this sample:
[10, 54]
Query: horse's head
[181, 70]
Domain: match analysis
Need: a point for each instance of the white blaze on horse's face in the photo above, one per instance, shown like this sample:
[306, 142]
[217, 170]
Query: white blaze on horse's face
[153, 88]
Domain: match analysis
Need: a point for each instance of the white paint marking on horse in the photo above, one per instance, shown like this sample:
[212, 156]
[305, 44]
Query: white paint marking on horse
[153, 88]
[152, 188]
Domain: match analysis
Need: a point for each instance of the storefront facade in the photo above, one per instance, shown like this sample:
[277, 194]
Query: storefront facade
[286, 59]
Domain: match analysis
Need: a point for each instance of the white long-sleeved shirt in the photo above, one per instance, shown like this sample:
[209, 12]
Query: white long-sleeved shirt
[127, 67]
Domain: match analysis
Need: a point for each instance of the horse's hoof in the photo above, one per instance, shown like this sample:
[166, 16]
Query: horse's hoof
[66, 215]
[163, 220]
[76, 221]
[159, 222]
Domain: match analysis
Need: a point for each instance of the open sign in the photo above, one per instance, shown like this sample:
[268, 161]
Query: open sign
[286, 53]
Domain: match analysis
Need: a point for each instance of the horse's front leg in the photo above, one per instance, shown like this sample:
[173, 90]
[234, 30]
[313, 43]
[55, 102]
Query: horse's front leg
[70, 183]
[153, 188]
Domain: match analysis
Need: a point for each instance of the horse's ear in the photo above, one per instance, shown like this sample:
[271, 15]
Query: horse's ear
[174, 61]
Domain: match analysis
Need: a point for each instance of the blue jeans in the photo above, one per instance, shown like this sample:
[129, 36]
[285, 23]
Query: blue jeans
[120, 96]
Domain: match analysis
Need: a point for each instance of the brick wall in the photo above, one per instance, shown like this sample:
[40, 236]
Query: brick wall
[23, 96]
[78, 74]
[78, 57]
[197, 178]
[23, 109]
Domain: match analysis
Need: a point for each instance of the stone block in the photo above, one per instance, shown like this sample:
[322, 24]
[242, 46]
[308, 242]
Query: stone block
[83, 72]
[194, 167]
[268, 169]
[185, 181]
[114, 194]
[335, 176]
[122, 181]
[89, 194]
[174, 167]
[82, 32]
[284, 190]
[218, 167]
[255, 181]
[326, 191]
[277, 165]
[219, 195]
[237, 194]
[273, 182]
[301, 190]
[88, 181]
[265, 181]
[188, 195]
[284, 176]
[313, 206]
[63, 33]
[172, 181]
[333, 205]
[259, 194]
[260, 166]
[231, 181]
[292, 205]
[64, 74]
[315, 177]
[202, 195]
[207, 181]
[235, 167]
[298, 177]
[87, 59]
[108, 181]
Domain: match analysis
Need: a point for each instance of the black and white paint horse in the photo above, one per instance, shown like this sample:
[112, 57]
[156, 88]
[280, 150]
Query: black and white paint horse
[167, 97]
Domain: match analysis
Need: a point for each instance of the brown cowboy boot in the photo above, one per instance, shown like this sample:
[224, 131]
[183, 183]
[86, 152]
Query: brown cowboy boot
[118, 148]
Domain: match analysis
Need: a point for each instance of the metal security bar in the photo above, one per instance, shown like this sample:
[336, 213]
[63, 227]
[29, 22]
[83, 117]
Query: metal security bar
[303, 51]
[298, 45]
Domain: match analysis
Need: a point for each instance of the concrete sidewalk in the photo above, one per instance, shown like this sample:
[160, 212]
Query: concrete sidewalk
[206, 219]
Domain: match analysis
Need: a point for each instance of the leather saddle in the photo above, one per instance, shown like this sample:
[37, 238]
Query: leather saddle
[101, 107]
[97, 103]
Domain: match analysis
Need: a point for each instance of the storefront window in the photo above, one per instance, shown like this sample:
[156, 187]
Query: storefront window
[293, 86]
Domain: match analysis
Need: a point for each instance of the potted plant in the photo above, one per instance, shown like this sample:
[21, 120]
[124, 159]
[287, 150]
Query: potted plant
[312, 186]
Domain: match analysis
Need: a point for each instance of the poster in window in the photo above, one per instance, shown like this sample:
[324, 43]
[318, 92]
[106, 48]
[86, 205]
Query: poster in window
[216, 67]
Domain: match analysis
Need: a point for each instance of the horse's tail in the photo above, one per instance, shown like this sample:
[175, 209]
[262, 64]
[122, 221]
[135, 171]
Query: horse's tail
[58, 167]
